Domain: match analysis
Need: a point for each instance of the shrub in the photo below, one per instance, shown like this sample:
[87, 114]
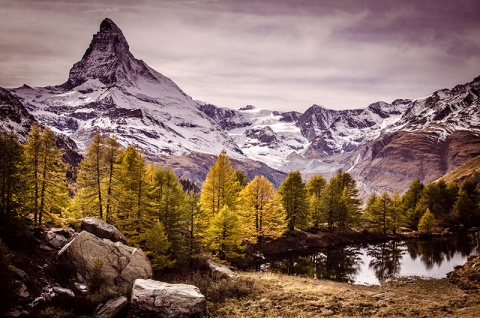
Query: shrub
[96, 280]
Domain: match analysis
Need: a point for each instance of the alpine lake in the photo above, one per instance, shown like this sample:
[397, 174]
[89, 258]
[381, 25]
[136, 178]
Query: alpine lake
[371, 264]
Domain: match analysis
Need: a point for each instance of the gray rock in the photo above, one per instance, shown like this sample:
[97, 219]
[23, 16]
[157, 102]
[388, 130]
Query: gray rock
[102, 229]
[63, 291]
[121, 264]
[82, 288]
[23, 291]
[55, 240]
[111, 308]
[220, 269]
[152, 298]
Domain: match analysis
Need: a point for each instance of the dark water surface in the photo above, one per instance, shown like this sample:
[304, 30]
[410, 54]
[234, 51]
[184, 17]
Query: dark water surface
[373, 263]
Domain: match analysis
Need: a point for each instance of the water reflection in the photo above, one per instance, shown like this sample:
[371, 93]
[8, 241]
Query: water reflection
[373, 263]
[385, 258]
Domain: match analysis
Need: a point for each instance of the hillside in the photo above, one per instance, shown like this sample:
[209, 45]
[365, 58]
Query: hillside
[470, 170]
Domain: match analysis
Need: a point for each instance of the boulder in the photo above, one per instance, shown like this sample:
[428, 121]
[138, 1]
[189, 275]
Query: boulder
[219, 269]
[152, 298]
[121, 264]
[55, 240]
[63, 291]
[111, 308]
[102, 229]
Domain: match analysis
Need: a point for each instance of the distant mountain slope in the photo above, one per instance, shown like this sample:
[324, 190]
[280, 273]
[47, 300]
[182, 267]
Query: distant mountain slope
[13, 115]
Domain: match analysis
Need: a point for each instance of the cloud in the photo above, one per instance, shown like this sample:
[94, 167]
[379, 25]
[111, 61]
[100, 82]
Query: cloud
[280, 54]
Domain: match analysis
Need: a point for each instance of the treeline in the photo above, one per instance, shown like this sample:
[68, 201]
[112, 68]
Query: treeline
[424, 207]
[172, 222]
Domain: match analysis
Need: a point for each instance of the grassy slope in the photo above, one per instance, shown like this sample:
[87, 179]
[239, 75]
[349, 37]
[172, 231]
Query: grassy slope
[469, 170]
[275, 295]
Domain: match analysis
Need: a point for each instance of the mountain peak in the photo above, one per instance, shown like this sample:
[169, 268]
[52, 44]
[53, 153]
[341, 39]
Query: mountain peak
[108, 24]
[107, 59]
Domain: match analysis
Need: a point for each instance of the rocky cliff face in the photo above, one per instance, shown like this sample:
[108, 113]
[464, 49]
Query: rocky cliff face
[13, 115]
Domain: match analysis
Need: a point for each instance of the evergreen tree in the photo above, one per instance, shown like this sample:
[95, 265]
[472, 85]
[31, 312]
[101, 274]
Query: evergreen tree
[219, 189]
[315, 187]
[91, 176]
[223, 236]
[294, 199]
[262, 213]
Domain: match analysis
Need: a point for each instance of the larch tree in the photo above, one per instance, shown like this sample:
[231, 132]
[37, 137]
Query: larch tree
[112, 152]
[11, 180]
[261, 211]
[46, 174]
[378, 212]
[427, 222]
[339, 203]
[294, 199]
[467, 207]
[53, 193]
[220, 188]
[168, 204]
[91, 176]
[133, 199]
[223, 236]
[410, 202]
[192, 213]
[32, 162]
[315, 186]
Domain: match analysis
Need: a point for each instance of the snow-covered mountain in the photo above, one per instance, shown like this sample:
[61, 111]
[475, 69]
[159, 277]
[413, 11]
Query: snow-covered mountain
[111, 90]
[262, 135]
[385, 146]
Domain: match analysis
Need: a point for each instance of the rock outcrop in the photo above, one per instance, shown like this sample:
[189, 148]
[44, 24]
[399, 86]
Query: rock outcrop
[157, 299]
[102, 229]
[467, 276]
[121, 264]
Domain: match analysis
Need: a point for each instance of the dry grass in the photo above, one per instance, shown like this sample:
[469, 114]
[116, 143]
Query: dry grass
[276, 295]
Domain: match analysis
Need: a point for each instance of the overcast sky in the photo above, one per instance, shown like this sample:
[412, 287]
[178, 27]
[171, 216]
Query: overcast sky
[280, 55]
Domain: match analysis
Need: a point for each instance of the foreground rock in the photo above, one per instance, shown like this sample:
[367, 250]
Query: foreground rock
[152, 298]
[102, 229]
[467, 276]
[111, 308]
[121, 264]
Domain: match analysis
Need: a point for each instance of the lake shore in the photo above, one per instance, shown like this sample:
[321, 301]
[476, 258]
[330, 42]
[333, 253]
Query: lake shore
[278, 295]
